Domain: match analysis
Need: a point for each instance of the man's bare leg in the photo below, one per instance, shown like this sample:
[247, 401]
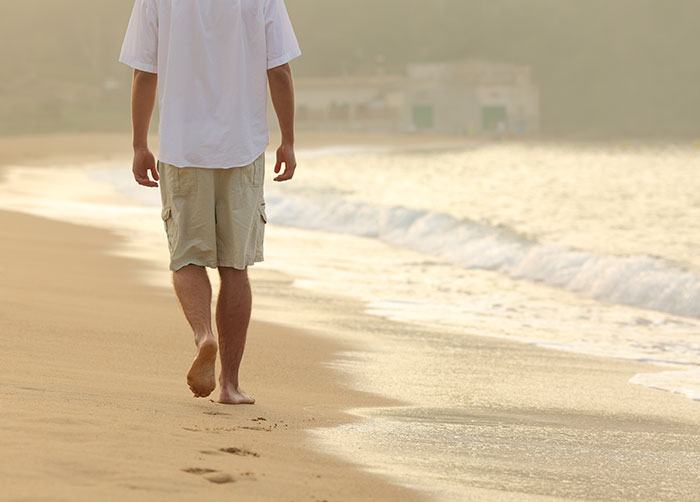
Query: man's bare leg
[232, 318]
[193, 289]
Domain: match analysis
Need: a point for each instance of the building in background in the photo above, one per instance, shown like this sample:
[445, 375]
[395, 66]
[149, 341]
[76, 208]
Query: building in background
[356, 103]
[472, 98]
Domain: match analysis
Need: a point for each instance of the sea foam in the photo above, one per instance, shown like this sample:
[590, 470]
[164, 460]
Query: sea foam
[641, 281]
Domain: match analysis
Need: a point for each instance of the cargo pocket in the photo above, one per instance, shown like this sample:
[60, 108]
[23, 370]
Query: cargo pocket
[166, 215]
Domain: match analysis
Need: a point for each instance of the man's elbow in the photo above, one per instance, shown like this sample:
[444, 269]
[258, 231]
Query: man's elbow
[145, 77]
[282, 72]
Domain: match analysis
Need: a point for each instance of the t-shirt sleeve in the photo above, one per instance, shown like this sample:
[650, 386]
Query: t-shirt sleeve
[282, 44]
[140, 47]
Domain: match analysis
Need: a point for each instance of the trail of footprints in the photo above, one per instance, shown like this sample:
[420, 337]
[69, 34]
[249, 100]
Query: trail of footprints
[218, 477]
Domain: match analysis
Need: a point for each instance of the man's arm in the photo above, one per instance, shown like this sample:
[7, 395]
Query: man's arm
[143, 98]
[282, 93]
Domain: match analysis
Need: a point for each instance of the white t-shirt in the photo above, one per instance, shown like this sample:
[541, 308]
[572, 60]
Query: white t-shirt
[211, 57]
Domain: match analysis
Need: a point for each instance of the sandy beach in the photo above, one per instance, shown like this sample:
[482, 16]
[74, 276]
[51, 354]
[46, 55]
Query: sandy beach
[95, 405]
[482, 283]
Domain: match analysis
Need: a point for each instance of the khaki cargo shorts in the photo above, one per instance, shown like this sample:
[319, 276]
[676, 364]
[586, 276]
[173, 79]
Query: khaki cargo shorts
[214, 217]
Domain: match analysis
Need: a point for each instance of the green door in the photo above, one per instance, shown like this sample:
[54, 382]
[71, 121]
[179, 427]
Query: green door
[492, 117]
[423, 116]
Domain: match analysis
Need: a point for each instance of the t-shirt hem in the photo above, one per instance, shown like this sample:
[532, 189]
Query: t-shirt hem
[137, 65]
[209, 165]
[285, 58]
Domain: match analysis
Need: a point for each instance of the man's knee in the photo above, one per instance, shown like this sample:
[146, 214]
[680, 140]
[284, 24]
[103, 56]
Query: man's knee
[188, 270]
[230, 273]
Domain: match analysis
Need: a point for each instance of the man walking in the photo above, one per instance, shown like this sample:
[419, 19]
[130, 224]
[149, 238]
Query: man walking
[210, 63]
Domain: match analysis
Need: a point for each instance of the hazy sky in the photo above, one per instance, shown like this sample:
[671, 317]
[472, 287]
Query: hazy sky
[605, 67]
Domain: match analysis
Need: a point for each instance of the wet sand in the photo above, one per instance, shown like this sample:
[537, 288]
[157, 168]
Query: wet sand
[95, 403]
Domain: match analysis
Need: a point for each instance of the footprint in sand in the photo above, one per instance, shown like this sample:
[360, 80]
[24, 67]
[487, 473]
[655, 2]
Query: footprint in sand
[220, 478]
[239, 451]
[198, 470]
[256, 428]
[211, 475]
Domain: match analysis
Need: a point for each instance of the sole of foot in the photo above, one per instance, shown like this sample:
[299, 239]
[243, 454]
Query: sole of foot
[201, 378]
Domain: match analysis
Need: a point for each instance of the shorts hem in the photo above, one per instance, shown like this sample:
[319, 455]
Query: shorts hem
[177, 266]
[238, 266]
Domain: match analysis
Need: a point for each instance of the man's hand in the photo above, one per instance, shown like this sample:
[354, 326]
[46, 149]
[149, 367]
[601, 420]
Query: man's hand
[145, 162]
[285, 155]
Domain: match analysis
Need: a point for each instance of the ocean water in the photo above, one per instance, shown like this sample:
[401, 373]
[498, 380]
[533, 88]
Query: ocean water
[583, 248]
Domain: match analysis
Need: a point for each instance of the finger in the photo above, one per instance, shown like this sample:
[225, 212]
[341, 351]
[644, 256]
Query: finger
[278, 166]
[144, 181]
[287, 175]
[155, 173]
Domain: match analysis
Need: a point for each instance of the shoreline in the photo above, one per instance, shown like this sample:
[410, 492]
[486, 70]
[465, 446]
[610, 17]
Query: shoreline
[86, 379]
[580, 402]
[62, 148]
[101, 368]
[290, 398]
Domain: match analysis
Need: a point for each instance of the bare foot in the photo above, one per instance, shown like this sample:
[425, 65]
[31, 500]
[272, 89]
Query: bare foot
[201, 377]
[230, 395]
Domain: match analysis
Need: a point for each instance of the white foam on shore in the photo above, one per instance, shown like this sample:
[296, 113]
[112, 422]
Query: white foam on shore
[401, 278]
[421, 287]
[685, 382]
[640, 281]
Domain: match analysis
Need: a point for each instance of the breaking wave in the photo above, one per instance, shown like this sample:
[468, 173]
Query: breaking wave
[640, 281]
